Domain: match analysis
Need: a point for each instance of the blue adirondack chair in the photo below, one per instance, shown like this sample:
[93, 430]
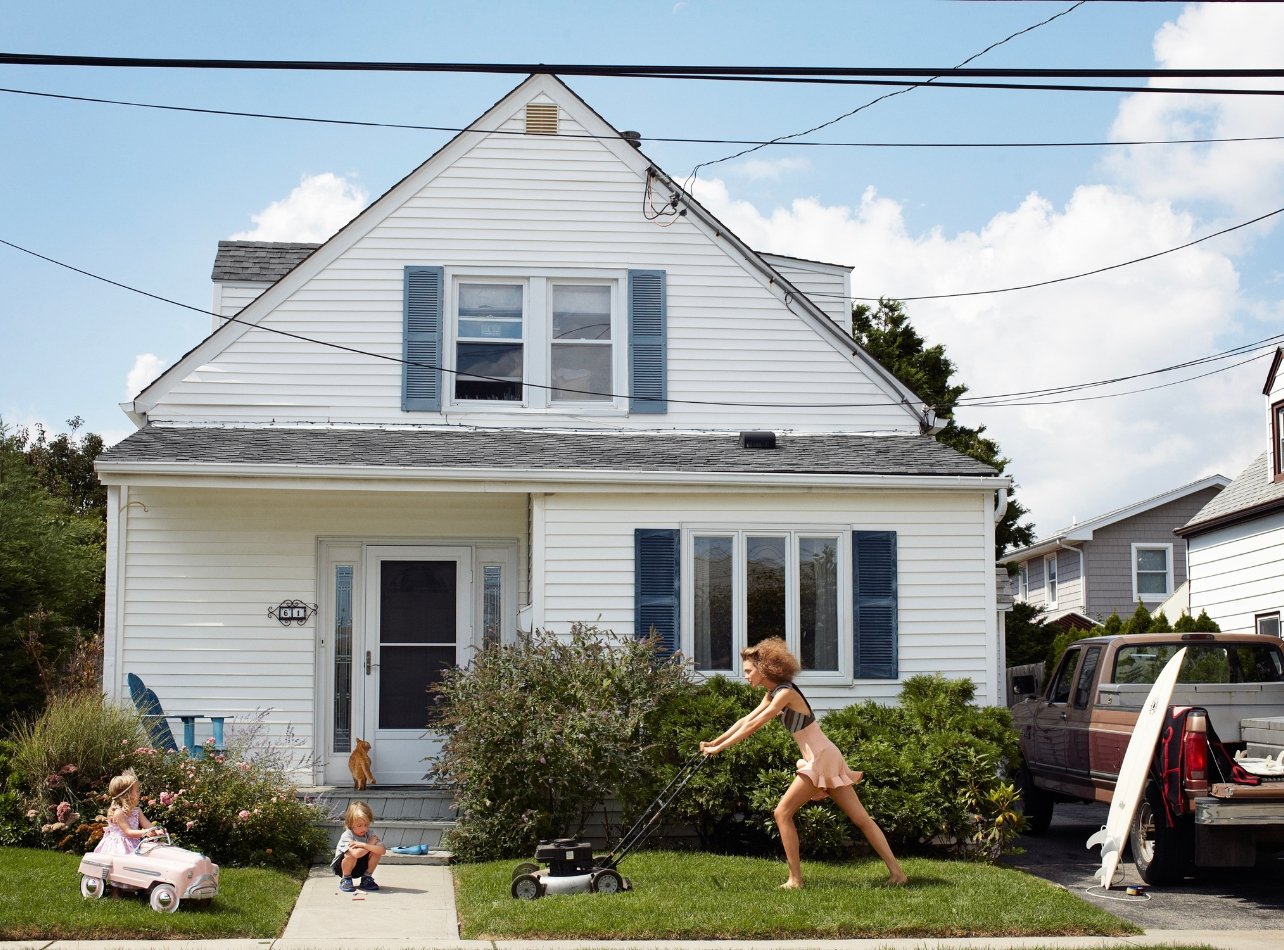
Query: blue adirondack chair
[157, 723]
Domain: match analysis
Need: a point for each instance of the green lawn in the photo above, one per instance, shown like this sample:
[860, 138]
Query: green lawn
[40, 899]
[684, 895]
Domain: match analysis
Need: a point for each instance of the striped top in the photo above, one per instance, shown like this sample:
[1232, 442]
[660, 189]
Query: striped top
[793, 720]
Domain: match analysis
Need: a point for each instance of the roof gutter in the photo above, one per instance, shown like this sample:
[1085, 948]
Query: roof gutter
[126, 472]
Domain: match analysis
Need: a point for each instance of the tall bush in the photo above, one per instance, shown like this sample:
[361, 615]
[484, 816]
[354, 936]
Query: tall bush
[541, 732]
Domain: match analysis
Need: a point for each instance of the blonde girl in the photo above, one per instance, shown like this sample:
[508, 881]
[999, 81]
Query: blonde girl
[822, 771]
[127, 826]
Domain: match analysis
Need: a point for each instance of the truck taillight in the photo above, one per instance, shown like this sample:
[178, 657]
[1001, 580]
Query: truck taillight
[1194, 753]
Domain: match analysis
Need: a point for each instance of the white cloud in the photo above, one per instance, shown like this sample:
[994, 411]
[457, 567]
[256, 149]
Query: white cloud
[314, 211]
[764, 169]
[147, 366]
[1076, 460]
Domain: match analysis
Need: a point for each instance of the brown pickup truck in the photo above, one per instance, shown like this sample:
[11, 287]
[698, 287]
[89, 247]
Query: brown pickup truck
[1202, 808]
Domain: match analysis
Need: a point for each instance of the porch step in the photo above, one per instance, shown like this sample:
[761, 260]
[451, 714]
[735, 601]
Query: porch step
[405, 816]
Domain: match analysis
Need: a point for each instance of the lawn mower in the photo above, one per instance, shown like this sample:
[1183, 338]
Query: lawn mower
[572, 868]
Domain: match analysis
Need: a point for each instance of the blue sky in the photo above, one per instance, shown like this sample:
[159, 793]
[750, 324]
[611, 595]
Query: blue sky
[143, 196]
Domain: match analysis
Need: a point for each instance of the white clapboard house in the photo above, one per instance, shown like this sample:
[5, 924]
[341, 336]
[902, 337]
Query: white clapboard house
[532, 384]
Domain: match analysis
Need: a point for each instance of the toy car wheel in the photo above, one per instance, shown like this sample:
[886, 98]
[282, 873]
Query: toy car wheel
[527, 887]
[524, 868]
[92, 887]
[164, 898]
[606, 882]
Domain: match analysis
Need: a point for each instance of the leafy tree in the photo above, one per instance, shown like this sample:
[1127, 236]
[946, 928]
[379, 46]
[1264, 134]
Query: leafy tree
[885, 333]
[52, 534]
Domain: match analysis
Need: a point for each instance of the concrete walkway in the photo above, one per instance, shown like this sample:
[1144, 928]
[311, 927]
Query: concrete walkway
[415, 908]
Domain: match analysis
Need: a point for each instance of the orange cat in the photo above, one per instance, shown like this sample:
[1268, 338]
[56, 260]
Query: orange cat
[359, 766]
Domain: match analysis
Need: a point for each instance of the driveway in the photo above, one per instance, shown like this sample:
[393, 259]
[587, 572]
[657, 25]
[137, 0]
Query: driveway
[1223, 900]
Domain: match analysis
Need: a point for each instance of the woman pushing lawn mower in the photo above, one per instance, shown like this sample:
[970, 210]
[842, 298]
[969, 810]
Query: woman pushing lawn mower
[822, 771]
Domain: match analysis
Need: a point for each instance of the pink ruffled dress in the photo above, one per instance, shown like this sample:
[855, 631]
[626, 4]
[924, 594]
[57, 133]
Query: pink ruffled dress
[822, 762]
[115, 841]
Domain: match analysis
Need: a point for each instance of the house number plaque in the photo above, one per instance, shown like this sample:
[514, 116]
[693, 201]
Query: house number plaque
[292, 611]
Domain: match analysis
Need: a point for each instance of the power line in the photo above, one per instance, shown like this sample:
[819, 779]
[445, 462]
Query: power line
[995, 401]
[784, 140]
[634, 71]
[695, 172]
[1089, 273]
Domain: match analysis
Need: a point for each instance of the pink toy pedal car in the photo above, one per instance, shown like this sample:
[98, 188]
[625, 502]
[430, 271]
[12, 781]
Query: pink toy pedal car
[167, 873]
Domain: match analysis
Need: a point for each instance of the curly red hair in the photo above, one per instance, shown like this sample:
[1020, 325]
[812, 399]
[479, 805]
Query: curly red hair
[773, 659]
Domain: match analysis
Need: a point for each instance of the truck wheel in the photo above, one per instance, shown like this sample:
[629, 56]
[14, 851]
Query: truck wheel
[1036, 804]
[1162, 855]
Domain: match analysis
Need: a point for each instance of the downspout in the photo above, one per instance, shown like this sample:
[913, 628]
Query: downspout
[1000, 504]
[1000, 618]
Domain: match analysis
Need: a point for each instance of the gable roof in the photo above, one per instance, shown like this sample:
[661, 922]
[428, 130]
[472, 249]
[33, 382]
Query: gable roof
[539, 84]
[1271, 373]
[1251, 495]
[1084, 531]
[533, 454]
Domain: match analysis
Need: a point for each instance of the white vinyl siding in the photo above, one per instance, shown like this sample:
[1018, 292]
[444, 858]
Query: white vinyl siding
[519, 205]
[1237, 572]
[945, 573]
[201, 569]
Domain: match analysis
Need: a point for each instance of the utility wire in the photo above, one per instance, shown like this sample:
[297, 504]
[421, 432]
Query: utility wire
[784, 140]
[996, 401]
[647, 71]
[695, 172]
[1089, 273]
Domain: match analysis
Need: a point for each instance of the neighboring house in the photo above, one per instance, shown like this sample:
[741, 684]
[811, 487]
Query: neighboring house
[518, 391]
[1236, 541]
[1084, 573]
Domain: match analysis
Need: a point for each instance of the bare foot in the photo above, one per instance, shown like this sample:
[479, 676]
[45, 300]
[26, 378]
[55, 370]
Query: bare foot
[791, 886]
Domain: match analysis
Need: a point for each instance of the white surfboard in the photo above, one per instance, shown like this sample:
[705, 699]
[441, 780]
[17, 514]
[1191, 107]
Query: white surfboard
[1132, 774]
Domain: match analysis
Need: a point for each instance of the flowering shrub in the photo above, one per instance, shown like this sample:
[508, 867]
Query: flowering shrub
[236, 809]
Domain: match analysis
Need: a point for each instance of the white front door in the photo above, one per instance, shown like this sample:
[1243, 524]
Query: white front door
[418, 622]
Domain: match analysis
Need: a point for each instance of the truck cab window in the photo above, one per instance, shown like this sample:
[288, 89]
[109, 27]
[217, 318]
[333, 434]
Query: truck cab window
[1064, 680]
[1083, 692]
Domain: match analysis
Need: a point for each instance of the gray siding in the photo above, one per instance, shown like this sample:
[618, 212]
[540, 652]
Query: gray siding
[1109, 553]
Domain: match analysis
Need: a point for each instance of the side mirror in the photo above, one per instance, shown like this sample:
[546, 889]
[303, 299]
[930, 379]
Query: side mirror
[1023, 685]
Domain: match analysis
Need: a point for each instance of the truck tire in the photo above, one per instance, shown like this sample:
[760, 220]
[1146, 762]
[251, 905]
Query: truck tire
[1036, 804]
[1162, 855]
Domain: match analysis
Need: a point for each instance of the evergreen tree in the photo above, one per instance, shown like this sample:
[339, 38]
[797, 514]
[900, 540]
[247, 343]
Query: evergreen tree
[885, 333]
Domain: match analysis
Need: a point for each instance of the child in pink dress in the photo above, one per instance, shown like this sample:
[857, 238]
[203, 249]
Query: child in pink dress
[127, 826]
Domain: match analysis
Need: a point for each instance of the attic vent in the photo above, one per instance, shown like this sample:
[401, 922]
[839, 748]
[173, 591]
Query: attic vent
[757, 440]
[541, 118]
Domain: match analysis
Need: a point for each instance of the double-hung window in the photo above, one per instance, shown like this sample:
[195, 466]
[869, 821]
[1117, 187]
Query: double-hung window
[489, 341]
[1152, 577]
[749, 585]
[1050, 580]
[575, 339]
[580, 343]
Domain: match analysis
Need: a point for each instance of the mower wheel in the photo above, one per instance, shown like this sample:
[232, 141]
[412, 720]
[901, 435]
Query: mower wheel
[524, 868]
[606, 882]
[527, 887]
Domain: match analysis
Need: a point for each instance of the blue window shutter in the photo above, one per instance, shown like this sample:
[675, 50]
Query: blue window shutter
[656, 582]
[874, 598]
[648, 369]
[421, 342]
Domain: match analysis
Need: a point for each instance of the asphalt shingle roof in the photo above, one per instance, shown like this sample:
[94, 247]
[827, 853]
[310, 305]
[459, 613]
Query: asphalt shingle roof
[542, 451]
[1251, 491]
[258, 260]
